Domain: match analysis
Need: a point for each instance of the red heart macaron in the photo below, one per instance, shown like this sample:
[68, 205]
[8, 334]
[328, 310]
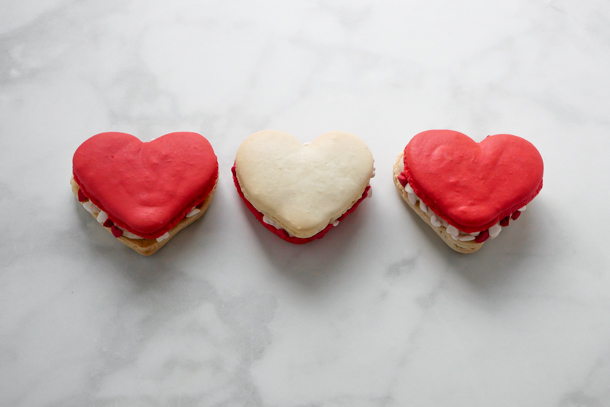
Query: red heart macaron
[146, 188]
[472, 185]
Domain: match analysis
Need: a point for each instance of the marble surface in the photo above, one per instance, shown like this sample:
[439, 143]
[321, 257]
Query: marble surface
[380, 313]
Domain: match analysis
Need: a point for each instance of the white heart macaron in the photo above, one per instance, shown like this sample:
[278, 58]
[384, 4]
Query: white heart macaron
[302, 190]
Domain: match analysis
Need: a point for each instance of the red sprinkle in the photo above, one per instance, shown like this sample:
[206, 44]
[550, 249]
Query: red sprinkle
[516, 215]
[82, 197]
[116, 231]
[483, 236]
[504, 222]
[108, 223]
[402, 179]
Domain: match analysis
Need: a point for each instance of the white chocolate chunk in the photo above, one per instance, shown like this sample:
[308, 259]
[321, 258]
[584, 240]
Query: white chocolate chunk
[163, 237]
[193, 212]
[102, 217]
[91, 207]
[453, 231]
[423, 207]
[495, 230]
[466, 238]
[412, 198]
[130, 235]
[435, 222]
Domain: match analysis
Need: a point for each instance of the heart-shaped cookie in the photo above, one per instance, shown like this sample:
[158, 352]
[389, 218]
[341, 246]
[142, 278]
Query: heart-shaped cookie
[146, 188]
[467, 191]
[473, 185]
[302, 188]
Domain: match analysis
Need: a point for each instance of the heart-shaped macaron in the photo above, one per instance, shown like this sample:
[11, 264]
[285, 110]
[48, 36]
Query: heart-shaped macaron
[146, 187]
[472, 185]
[302, 188]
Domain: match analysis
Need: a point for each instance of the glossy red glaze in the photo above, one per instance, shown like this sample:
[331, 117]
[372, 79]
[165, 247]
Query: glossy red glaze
[473, 185]
[146, 188]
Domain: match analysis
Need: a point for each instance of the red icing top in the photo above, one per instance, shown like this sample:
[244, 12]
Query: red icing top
[473, 185]
[146, 188]
[281, 232]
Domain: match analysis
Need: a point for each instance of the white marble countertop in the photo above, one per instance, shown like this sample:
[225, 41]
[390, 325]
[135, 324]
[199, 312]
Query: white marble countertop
[379, 313]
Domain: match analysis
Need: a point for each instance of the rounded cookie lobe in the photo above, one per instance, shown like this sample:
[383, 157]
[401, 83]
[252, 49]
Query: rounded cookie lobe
[146, 188]
[473, 185]
[303, 187]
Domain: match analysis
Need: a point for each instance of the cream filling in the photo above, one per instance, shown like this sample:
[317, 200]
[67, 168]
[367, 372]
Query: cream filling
[103, 216]
[270, 221]
[193, 212]
[439, 222]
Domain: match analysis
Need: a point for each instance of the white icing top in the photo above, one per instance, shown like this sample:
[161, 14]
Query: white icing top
[303, 187]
